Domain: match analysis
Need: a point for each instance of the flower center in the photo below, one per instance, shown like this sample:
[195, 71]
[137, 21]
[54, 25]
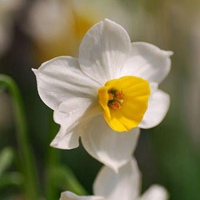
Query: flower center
[124, 102]
[115, 99]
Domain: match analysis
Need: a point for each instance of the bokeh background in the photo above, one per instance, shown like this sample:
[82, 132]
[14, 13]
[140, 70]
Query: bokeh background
[33, 31]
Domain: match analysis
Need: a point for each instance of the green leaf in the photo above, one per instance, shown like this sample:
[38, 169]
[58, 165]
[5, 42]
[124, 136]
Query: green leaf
[12, 178]
[6, 158]
[65, 176]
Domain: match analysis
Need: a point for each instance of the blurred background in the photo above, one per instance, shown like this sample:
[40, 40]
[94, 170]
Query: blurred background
[33, 31]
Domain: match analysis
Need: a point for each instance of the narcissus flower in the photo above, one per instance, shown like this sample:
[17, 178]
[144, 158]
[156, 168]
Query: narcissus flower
[124, 185]
[106, 94]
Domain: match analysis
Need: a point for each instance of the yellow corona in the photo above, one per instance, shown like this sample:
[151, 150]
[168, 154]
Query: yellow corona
[124, 102]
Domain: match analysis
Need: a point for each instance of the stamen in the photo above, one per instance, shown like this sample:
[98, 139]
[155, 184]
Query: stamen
[115, 105]
[119, 95]
[110, 96]
[115, 99]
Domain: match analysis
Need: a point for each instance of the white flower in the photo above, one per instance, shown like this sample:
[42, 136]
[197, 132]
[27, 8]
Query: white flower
[124, 185]
[47, 14]
[110, 88]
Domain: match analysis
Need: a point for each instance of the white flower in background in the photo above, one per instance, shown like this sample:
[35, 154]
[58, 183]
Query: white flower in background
[70, 20]
[111, 88]
[44, 15]
[124, 185]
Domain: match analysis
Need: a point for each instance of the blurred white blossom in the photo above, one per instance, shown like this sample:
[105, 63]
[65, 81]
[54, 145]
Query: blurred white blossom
[57, 26]
[124, 185]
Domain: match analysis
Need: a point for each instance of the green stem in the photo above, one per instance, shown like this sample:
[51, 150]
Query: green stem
[72, 182]
[57, 175]
[26, 155]
[52, 156]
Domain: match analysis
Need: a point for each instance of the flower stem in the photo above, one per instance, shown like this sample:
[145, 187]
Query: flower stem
[72, 182]
[58, 175]
[27, 163]
[52, 156]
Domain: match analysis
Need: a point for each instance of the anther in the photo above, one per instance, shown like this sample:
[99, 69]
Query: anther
[110, 96]
[115, 105]
[115, 99]
[119, 95]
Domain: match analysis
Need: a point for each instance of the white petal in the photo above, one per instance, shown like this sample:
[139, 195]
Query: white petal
[69, 116]
[71, 196]
[104, 50]
[109, 147]
[153, 87]
[117, 186]
[157, 109]
[155, 192]
[60, 79]
[65, 140]
[148, 61]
